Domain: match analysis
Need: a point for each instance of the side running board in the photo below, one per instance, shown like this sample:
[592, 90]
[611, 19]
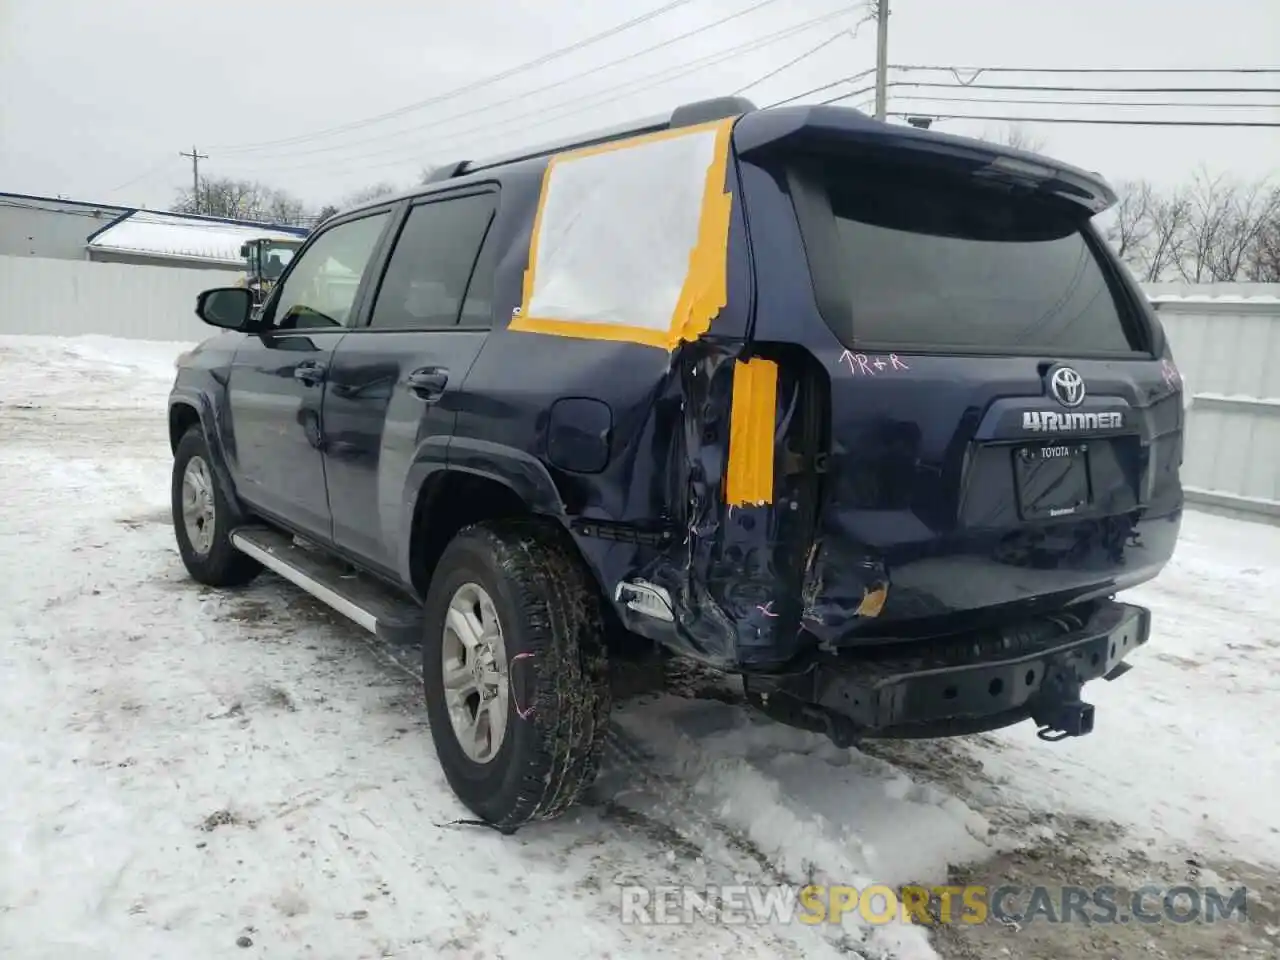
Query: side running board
[361, 599]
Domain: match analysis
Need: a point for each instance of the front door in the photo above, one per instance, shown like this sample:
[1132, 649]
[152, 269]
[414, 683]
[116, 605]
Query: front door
[276, 386]
[396, 385]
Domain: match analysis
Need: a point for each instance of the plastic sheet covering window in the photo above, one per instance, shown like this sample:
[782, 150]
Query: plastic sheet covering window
[629, 241]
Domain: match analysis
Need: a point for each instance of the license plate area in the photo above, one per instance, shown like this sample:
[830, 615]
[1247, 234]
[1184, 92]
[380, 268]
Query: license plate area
[1052, 480]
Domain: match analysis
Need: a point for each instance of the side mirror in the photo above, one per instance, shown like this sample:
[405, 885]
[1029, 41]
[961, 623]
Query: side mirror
[227, 307]
[244, 250]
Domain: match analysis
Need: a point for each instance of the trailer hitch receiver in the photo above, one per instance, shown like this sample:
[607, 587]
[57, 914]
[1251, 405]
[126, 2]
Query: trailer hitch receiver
[1057, 709]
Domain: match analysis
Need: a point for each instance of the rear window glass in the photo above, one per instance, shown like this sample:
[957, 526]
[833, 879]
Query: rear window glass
[929, 261]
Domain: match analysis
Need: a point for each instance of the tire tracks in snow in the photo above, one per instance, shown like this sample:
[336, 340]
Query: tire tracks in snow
[648, 824]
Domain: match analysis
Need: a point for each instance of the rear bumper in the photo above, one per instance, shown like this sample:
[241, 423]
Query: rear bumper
[963, 685]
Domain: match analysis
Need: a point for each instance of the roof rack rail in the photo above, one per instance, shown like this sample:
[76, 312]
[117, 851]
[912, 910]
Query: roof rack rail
[686, 115]
[446, 172]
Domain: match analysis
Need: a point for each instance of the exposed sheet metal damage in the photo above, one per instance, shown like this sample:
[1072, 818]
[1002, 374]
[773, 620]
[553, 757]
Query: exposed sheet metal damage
[746, 582]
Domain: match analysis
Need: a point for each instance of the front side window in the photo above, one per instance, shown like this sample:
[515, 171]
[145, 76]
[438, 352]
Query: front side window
[321, 289]
[431, 267]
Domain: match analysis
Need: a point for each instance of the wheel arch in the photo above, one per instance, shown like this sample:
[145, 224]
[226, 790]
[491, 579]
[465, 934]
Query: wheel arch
[186, 412]
[183, 415]
[446, 501]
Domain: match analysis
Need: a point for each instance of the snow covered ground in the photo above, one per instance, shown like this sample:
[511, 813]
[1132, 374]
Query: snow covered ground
[182, 770]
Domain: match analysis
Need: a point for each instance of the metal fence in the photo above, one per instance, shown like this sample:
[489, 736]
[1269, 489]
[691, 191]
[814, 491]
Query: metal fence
[67, 298]
[1226, 338]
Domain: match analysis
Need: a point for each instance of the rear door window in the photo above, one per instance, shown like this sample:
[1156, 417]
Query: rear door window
[935, 262]
[426, 283]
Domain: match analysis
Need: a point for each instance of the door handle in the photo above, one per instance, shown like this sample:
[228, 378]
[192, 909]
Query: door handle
[428, 383]
[309, 372]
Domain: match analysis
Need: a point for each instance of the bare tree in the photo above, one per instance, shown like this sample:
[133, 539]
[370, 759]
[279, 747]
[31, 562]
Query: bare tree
[1130, 221]
[324, 213]
[1227, 219]
[283, 208]
[1168, 218]
[241, 200]
[1017, 136]
[367, 194]
[1263, 263]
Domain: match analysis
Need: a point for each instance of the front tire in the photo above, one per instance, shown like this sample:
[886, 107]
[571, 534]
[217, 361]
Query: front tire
[515, 673]
[203, 519]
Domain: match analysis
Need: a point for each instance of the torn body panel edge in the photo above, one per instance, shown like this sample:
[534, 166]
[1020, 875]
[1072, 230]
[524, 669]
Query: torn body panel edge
[747, 581]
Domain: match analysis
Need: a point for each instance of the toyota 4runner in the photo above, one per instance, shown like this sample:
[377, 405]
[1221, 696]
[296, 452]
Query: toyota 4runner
[866, 415]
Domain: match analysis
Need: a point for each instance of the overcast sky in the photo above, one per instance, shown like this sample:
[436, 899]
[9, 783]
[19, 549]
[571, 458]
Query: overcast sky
[98, 96]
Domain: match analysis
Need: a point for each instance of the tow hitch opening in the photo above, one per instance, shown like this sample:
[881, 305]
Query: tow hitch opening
[1058, 711]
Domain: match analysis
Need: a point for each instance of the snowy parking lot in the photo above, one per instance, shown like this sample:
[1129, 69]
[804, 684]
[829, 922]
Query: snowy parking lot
[187, 773]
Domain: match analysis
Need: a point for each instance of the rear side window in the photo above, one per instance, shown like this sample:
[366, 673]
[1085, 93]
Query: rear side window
[929, 261]
[431, 267]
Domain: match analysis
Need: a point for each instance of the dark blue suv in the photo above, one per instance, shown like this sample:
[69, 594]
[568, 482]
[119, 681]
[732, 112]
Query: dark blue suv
[866, 415]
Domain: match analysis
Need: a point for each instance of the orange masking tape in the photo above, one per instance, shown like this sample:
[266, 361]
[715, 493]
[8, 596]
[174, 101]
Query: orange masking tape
[749, 472]
[704, 292]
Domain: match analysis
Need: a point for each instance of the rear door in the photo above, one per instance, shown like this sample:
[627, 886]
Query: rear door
[1001, 427]
[276, 385]
[395, 383]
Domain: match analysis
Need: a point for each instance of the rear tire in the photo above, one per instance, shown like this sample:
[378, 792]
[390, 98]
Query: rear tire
[518, 585]
[203, 519]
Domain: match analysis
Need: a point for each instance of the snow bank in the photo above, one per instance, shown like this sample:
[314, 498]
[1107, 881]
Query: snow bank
[100, 371]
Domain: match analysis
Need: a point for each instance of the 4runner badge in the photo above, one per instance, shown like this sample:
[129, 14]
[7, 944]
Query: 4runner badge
[1050, 421]
[1067, 387]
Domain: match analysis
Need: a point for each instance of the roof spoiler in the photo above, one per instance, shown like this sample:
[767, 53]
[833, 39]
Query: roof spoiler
[820, 123]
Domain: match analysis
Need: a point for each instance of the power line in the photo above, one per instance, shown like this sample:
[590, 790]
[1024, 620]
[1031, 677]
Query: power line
[851, 34]
[826, 86]
[474, 85]
[1090, 103]
[952, 86]
[434, 125]
[1102, 121]
[1064, 89]
[439, 98]
[504, 128]
[1041, 102]
[142, 176]
[848, 96]
[978, 71]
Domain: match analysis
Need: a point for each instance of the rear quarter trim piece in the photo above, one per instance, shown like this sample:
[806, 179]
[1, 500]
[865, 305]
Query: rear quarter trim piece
[702, 287]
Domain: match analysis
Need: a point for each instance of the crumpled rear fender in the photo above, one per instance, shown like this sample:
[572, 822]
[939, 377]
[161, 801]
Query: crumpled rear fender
[745, 570]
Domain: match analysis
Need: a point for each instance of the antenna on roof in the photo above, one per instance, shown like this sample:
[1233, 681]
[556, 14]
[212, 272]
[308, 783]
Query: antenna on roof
[686, 115]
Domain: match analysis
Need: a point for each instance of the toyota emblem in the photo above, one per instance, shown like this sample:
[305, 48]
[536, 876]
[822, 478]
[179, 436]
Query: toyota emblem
[1067, 387]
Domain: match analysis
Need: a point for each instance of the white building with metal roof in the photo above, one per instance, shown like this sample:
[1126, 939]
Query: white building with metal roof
[144, 236]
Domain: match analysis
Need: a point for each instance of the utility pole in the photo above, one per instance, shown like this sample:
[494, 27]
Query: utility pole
[882, 58]
[195, 157]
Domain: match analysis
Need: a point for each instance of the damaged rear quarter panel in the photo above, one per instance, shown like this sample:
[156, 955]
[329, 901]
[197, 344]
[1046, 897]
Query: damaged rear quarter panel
[731, 572]
[741, 577]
